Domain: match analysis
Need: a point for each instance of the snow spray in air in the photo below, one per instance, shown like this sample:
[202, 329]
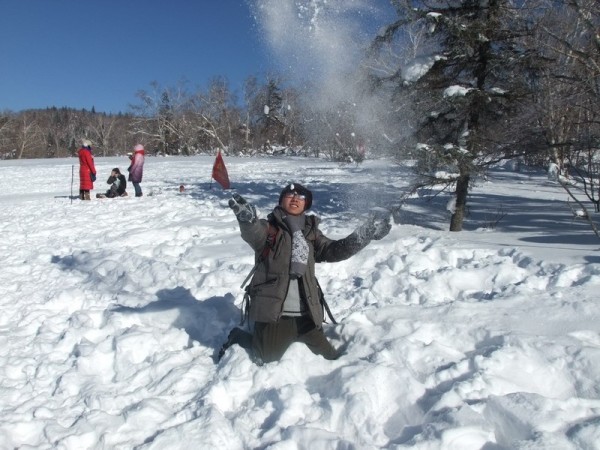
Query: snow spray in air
[321, 45]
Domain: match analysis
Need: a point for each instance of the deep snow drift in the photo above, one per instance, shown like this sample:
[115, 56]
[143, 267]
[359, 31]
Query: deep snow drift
[113, 310]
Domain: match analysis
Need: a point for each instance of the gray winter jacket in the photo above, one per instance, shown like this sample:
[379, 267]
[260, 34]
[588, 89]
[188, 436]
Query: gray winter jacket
[269, 284]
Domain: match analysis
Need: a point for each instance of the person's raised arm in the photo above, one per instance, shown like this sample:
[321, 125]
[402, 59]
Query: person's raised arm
[254, 231]
[375, 227]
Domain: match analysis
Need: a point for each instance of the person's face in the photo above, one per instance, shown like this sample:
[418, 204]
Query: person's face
[293, 203]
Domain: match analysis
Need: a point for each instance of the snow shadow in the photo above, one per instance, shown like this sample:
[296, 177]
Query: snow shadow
[330, 199]
[205, 321]
[548, 221]
[71, 197]
[449, 377]
[539, 221]
[427, 211]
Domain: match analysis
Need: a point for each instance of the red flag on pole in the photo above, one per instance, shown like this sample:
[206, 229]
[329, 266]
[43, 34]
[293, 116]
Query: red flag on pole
[219, 172]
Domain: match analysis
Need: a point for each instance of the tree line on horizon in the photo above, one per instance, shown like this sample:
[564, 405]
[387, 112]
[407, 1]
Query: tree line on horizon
[167, 120]
[455, 85]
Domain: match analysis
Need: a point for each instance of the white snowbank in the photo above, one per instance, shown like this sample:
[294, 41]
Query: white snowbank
[113, 310]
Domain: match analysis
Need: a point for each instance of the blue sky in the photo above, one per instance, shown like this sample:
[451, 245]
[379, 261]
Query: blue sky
[99, 53]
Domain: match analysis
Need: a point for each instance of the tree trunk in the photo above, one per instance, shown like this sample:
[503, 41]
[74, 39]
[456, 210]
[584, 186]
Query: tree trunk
[462, 189]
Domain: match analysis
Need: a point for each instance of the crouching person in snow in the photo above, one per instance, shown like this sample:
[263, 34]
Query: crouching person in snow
[285, 301]
[118, 185]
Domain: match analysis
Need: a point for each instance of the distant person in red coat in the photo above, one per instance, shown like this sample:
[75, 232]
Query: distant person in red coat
[136, 169]
[87, 170]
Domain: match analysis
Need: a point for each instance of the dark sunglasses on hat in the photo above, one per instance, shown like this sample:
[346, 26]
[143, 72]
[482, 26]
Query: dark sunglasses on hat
[295, 194]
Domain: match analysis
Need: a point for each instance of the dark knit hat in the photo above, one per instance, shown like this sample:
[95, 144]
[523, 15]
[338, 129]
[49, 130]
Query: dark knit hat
[300, 190]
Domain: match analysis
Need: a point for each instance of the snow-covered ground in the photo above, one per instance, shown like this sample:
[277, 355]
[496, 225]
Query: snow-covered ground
[113, 311]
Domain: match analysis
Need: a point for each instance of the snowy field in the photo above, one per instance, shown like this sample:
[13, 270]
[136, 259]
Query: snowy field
[113, 311]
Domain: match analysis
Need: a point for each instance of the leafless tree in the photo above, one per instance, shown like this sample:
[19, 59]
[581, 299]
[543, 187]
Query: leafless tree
[5, 140]
[101, 130]
[156, 117]
[27, 135]
[570, 36]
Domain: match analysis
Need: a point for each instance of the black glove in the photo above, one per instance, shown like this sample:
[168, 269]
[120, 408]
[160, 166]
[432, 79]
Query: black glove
[382, 224]
[376, 227]
[244, 211]
[93, 177]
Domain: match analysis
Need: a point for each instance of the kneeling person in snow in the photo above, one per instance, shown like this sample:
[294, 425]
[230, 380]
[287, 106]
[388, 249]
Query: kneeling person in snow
[118, 185]
[285, 298]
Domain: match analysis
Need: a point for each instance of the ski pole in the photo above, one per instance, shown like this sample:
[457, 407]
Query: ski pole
[72, 175]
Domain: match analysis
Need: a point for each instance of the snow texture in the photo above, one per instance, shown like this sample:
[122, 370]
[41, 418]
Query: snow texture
[113, 311]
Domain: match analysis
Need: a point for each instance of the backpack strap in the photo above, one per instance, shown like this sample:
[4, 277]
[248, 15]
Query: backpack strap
[269, 246]
[324, 303]
[270, 242]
